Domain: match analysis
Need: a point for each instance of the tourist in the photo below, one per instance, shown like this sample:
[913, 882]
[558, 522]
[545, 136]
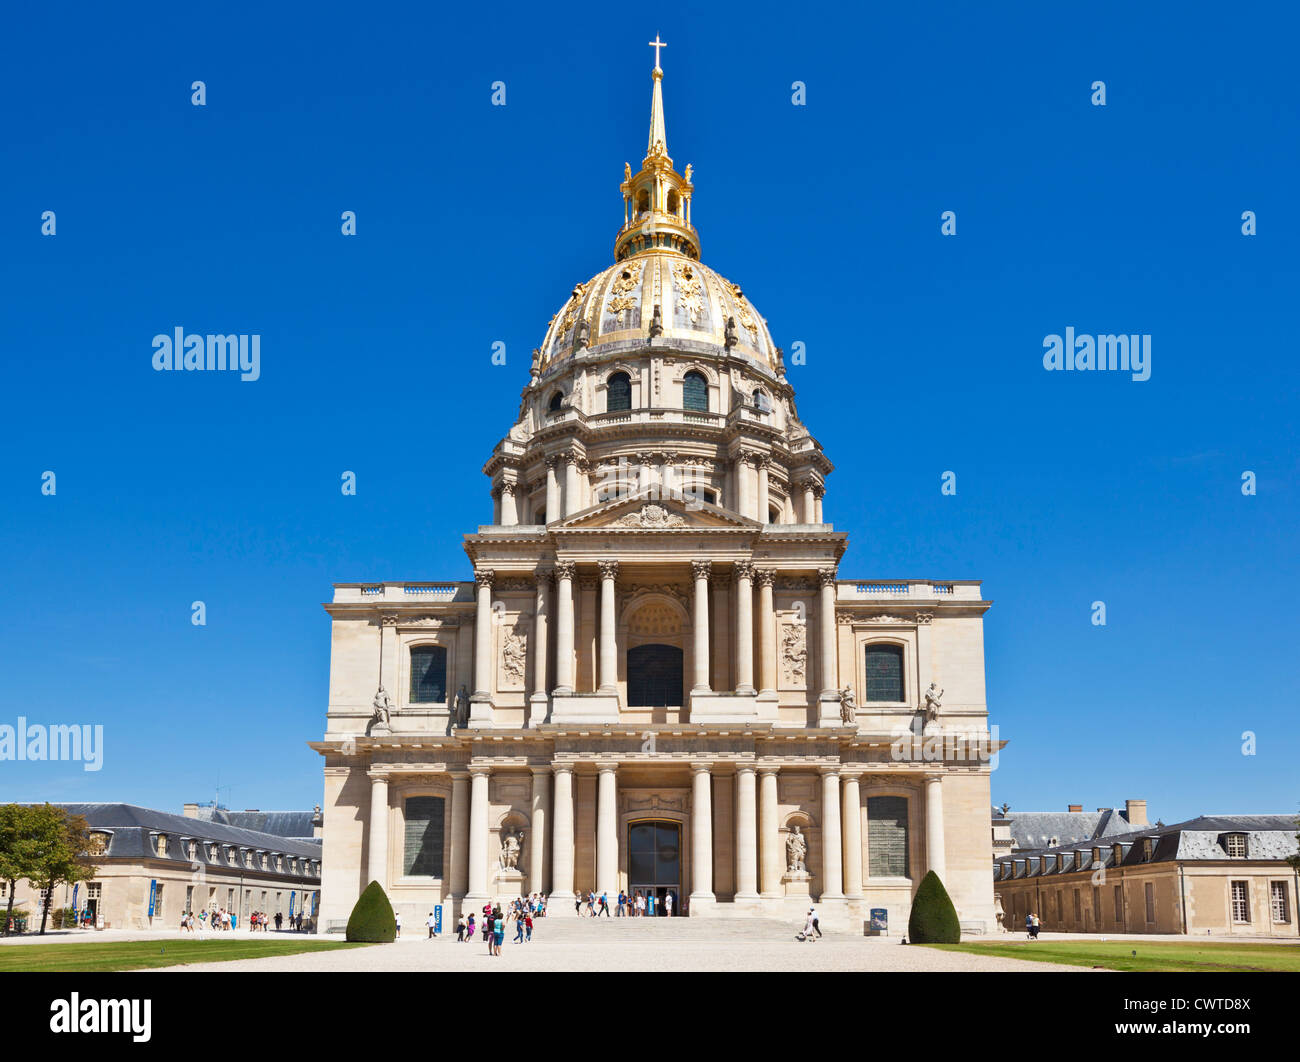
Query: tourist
[591, 903]
[279, 921]
[816, 923]
[577, 904]
[1034, 926]
[498, 930]
[640, 905]
[519, 931]
[668, 903]
[808, 928]
[432, 923]
[460, 930]
[398, 919]
[604, 905]
[528, 928]
[469, 930]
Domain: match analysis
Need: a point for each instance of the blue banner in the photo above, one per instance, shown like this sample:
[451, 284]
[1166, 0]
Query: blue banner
[153, 895]
[291, 896]
[437, 919]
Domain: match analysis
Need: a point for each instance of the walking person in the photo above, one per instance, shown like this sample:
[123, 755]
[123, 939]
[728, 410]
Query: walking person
[528, 928]
[519, 931]
[469, 930]
[398, 918]
[668, 903]
[498, 930]
[460, 930]
[432, 924]
[816, 923]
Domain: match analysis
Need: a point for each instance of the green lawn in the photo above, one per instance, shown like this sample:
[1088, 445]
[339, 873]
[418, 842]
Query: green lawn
[1120, 955]
[95, 956]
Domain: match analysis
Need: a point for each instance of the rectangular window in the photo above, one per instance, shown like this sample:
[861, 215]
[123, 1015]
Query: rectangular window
[422, 851]
[1236, 845]
[1149, 890]
[158, 902]
[1240, 902]
[1278, 901]
[1119, 903]
[884, 672]
[428, 674]
[1078, 910]
[887, 837]
[1096, 906]
[189, 899]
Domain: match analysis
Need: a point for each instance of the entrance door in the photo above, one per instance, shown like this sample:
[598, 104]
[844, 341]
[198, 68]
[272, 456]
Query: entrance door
[654, 676]
[654, 864]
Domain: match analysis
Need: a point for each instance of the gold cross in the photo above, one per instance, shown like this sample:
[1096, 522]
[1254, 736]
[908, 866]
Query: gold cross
[656, 44]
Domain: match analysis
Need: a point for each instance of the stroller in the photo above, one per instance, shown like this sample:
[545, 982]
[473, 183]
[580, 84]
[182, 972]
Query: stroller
[806, 934]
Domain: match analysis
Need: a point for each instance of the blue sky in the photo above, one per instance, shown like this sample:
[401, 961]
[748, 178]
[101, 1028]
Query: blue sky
[474, 222]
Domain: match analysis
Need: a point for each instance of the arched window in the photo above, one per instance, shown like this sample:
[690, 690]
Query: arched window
[884, 672]
[760, 401]
[695, 392]
[428, 674]
[557, 400]
[643, 200]
[673, 202]
[619, 393]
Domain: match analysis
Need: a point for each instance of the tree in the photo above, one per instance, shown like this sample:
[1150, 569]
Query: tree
[13, 867]
[55, 850]
[933, 919]
[1294, 860]
[372, 918]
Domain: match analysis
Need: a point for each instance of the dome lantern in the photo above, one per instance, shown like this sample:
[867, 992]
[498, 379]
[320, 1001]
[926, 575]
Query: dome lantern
[657, 199]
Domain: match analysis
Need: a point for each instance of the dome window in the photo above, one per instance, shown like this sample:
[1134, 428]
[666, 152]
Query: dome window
[643, 201]
[618, 395]
[695, 392]
[557, 400]
[761, 402]
[674, 203]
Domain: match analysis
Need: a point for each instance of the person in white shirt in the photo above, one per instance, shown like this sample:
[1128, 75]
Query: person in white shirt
[432, 924]
[668, 904]
[398, 919]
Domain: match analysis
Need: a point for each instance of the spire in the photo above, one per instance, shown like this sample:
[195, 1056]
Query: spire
[658, 142]
[656, 199]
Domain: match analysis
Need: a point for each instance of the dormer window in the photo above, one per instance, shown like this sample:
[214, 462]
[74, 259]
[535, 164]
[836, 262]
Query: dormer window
[192, 850]
[1148, 849]
[162, 845]
[98, 844]
[1235, 845]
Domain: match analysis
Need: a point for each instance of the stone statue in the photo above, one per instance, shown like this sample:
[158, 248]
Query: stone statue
[627, 171]
[512, 844]
[583, 333]
[729, 335]
[382, 706]
[848, 706]
[932, 697]
[689, 170]
[657, 322]
[796, 850]
[460, 716]
[998, 912]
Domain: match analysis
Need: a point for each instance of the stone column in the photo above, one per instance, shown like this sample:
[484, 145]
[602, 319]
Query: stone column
[509, 511]
[851, 822]
[832, 863]
[819, 492]
[565, 571]
[478, 833]
[571, 501]
[746, 834]
[719, 631]
[829, 664]
[743, 499]
[539, 647]
[377, 836]
[496, 505]
[766, 633]
[744, 627]
[934, 848]
[701, 833]
[771, 857]
[763, 501]
[483, 637]
[537, 837]
[607, 830]
[608, 642]
[554, 507]
[700, 569]
[809, 514]
[459, 833]
[562, 835]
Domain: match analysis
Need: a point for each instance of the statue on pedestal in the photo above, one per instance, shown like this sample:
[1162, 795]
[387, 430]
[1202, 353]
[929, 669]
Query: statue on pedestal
[382, 708]
[460, 712]
[512, 845]
[657, 322]
[796, 851]
[932, 702]
[848, 707]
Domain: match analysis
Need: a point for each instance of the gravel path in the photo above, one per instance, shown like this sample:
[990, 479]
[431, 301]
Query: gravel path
[642, 945]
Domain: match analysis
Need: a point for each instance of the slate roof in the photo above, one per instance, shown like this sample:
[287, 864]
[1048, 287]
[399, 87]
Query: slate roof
[1035, 829]
[281, 823]
[132, 829]
[1268, 838]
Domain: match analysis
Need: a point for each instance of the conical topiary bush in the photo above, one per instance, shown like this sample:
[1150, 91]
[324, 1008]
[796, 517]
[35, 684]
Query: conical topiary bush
[933, 919]
[372, 920]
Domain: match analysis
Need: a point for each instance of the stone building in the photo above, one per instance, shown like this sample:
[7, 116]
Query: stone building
[1217, 874]
[187, 864]
[657, 679]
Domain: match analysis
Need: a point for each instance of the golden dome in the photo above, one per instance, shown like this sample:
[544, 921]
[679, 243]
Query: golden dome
[657, 253]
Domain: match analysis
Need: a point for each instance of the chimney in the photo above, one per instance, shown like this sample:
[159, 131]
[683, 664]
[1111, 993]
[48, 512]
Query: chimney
[1074, 807]
[1136, 812]
[190, 811]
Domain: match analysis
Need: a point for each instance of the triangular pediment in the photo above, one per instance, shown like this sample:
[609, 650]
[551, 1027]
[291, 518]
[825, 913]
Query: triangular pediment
[647, 511]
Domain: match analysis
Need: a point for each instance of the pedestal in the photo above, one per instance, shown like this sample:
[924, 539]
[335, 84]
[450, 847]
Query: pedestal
[797, 884]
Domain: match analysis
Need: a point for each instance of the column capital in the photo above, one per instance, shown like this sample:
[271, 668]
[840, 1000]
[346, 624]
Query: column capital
[477, 770]
[507, 487]
[543, 577]
[565, 570]
[458, 774]
[744, 570]
[764, 576]
[552, 460]
[379, 774]
[826, 577]
[484, 577]
[608, 569]
[746, 768]
[563, 768]
[607, 768]
[768, 768]
[829, 770]
[388, 621]
[540, 770]
[701, 569]
[700, 767]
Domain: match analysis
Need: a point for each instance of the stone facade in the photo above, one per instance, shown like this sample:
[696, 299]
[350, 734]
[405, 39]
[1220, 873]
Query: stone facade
[656, 634]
